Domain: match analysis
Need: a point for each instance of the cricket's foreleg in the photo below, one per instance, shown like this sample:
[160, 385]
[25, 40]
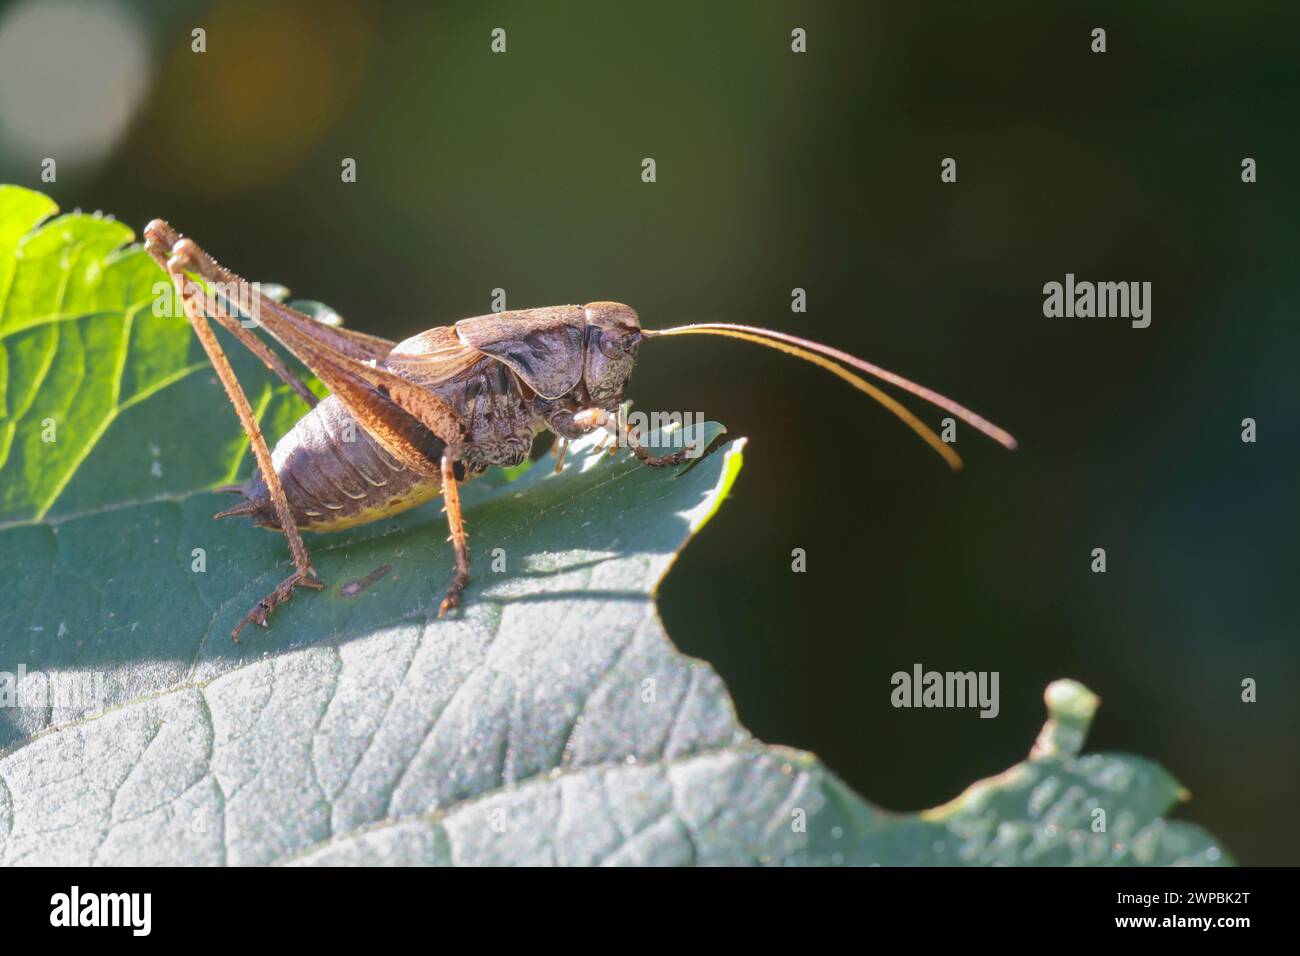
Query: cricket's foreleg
[656, 461]
[594, 418]
[304, 575]
[459, 539]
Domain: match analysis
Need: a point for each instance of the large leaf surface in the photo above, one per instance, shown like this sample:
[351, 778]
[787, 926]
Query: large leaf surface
[552, 721]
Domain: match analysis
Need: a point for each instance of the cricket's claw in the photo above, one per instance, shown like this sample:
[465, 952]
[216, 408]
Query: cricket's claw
[283, 592]
[452, 598]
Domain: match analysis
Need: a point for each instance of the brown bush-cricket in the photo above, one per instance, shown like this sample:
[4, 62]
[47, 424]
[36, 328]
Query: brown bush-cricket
[407, 421]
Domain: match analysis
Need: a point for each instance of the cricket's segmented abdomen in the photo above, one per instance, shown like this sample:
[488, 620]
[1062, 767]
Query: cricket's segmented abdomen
[334, 476]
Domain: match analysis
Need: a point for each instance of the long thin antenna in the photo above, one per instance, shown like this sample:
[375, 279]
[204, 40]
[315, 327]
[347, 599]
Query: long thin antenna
[829, 358]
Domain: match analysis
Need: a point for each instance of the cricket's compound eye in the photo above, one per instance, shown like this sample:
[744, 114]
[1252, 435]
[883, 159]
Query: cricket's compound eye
[613, 334]
[616, 344]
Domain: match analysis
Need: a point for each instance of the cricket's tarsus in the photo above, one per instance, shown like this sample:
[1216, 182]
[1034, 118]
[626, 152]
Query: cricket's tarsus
[408, 421]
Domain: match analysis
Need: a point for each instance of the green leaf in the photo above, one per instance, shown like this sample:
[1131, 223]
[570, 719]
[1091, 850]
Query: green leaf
[552, 721]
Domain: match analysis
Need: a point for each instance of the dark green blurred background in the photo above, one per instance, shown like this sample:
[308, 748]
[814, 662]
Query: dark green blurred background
[821, 170]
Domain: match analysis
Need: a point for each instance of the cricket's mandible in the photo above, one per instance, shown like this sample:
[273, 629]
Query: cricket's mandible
[407, 421]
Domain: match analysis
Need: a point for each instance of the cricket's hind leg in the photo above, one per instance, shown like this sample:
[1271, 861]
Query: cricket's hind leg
[160, 241]
[177, 256]
[260, 611]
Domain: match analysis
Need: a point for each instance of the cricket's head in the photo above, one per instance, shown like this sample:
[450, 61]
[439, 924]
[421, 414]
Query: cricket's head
[613, 334]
